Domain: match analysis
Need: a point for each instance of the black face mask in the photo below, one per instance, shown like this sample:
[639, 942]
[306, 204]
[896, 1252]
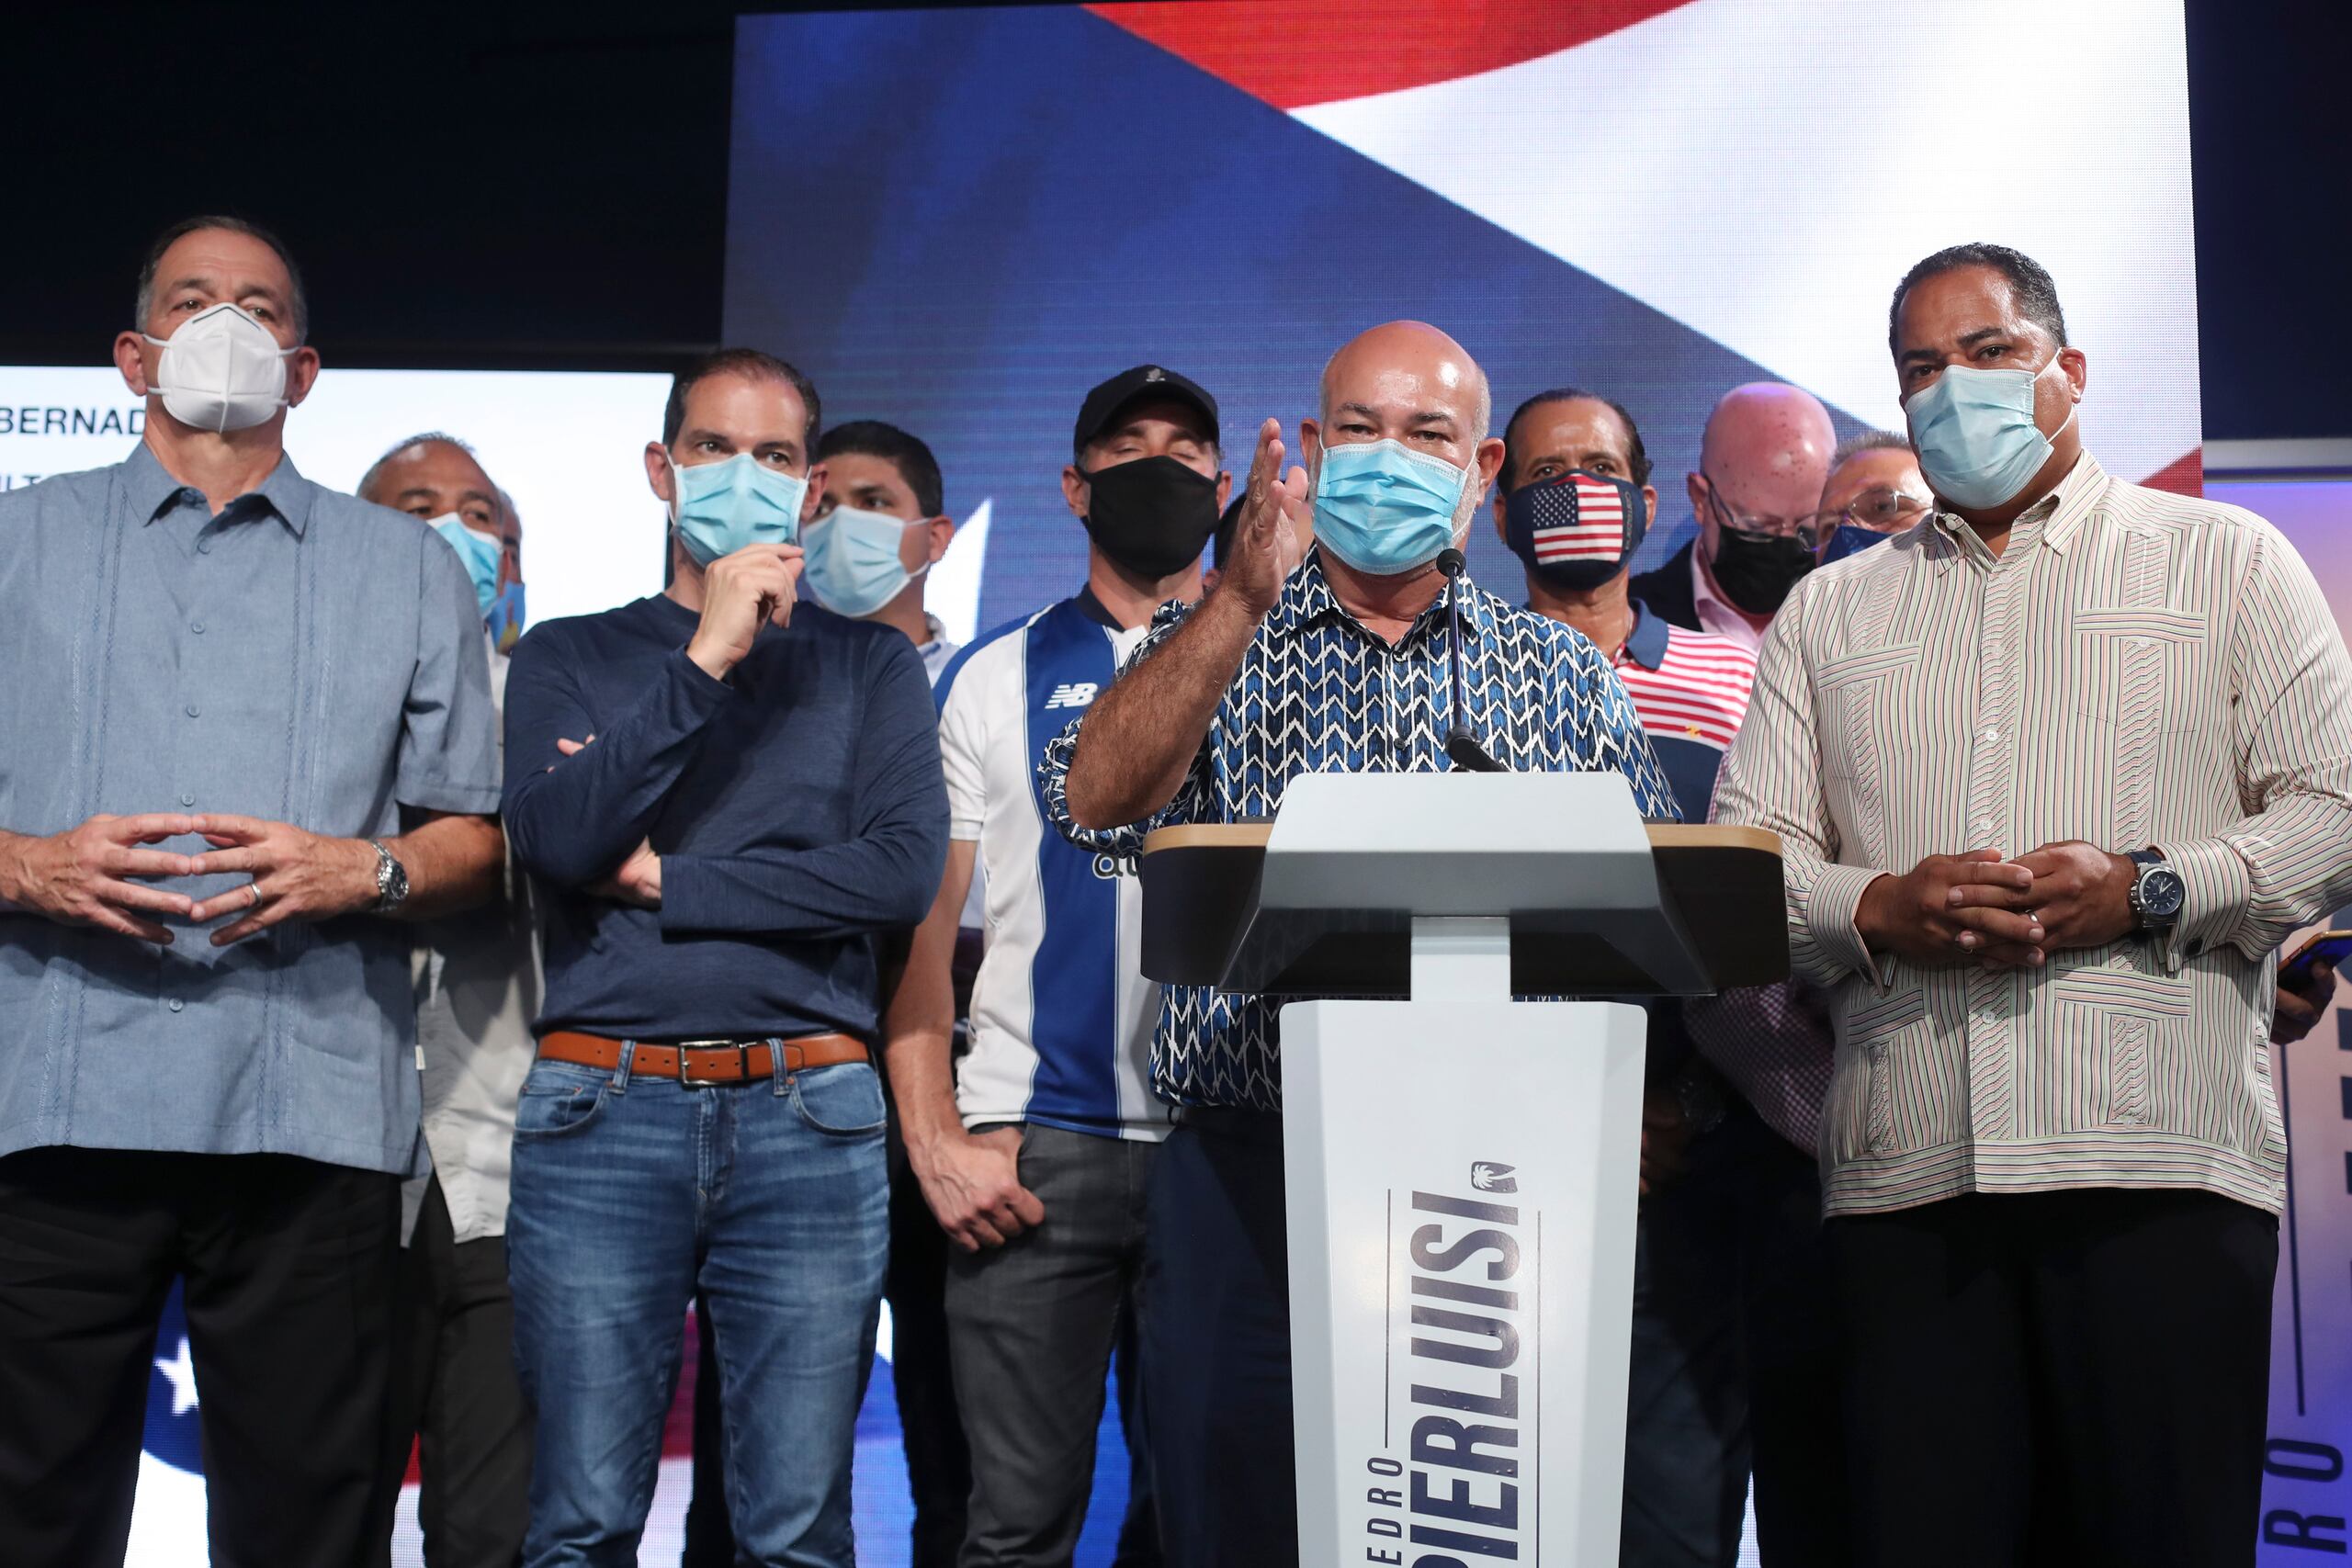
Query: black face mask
[1755, 573]
[1152, 516]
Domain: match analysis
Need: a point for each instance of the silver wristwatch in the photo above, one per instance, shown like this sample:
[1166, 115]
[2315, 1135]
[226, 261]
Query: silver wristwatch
[2156, 892]
[391, 879]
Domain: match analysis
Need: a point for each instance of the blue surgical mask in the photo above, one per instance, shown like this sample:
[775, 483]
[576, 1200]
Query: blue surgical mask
[724, 506]
[854, 567]
[1384, 508]
[1850, 539]
[1975, 433]
[504, 622]
[477, 550]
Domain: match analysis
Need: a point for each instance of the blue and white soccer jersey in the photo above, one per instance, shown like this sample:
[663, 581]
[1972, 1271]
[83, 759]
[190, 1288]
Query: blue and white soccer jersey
[1061, 1016]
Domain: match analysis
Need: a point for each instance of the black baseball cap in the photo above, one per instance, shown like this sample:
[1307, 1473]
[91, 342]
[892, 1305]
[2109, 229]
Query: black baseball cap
[1107, 401]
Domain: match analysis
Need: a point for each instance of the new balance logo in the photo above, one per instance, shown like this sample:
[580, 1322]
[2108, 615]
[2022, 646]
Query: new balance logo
[1072, 694]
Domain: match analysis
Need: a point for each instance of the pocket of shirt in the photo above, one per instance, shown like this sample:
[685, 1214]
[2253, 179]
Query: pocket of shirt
[2140, 669]
[1861, 1121]
[1869, 707]
[2120, 1018]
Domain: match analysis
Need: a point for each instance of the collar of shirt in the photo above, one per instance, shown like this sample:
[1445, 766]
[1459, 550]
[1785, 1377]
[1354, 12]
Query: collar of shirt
[1646, 644]
[1308, 602]
[151, 488]
[1093, 610]
[2053, 521]
[1717, 613]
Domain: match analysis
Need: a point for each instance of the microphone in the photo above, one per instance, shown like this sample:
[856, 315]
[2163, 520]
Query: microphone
[1460, 744]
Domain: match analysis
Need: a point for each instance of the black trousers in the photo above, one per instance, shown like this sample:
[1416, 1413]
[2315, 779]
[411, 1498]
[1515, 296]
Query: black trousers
[1216, 1344]
[1734, 1358]
[455, 1393]
[288, 1279]
[1789, 1349]
[2070, 1378]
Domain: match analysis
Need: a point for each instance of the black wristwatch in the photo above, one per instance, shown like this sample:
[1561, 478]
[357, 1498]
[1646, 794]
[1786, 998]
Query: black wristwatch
[2157, 893]
[391, 879]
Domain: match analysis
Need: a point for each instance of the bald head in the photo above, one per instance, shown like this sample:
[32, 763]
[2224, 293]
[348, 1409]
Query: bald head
[1408, 363]
[1766, 452]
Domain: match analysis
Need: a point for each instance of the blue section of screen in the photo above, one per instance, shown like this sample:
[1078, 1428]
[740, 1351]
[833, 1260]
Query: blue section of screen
[960, 221]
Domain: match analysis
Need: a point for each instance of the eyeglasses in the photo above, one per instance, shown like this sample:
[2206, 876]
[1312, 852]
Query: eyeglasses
[1758, 528]
[1881, 508]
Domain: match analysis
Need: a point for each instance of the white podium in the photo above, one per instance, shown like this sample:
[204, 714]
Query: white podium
[1462, 1169]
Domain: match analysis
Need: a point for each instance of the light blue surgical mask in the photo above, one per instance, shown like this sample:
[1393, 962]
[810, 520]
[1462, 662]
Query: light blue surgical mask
[853, 560]
[504, 622]
[1975, 433]
[724, 506]
[478, 551]
[1384, 508]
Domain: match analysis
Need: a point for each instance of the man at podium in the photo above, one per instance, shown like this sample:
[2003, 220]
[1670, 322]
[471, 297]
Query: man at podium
[1333, 662]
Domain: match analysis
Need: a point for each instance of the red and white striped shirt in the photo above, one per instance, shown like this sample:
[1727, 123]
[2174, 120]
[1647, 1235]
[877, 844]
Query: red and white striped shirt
[1690, 686]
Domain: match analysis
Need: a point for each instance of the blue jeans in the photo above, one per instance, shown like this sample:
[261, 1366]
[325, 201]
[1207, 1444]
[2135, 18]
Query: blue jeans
[631, 1192]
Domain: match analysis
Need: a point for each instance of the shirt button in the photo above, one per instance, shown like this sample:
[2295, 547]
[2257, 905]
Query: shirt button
[1990, 1012]
[204, 546]
[175, 1004]
[197, 627]
[1989, 735]
[194, 712]
[186, 799]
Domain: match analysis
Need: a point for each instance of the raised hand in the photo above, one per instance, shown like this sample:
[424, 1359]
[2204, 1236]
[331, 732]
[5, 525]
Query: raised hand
[1269, 538]
[757, 586]
[296, 874]
[91, 876]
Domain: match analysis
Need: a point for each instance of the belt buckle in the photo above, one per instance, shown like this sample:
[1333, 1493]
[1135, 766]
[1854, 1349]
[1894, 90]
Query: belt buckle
[742, 1049]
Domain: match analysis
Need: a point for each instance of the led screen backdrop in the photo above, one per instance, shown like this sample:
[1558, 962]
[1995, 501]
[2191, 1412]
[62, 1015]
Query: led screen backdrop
[958, 220]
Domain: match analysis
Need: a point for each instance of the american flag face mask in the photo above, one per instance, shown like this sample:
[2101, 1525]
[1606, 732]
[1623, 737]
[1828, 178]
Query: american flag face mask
[1577, 530]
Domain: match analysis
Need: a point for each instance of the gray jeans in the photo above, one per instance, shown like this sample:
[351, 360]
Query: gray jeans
[1029, 1327]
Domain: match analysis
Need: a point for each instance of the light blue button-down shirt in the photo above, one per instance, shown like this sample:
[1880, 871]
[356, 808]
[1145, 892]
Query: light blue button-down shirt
[304, 656]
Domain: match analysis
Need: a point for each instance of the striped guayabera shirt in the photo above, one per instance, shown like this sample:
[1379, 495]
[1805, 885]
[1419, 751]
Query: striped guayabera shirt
[2135, 669]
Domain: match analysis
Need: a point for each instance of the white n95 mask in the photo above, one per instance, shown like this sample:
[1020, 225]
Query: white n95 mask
[221, 370]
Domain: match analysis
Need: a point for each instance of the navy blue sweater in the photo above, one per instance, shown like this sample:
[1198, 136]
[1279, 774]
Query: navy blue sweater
[798, 807]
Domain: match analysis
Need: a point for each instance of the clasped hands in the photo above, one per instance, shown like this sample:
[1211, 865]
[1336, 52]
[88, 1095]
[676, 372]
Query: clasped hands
[1999, 914]
[100, 873]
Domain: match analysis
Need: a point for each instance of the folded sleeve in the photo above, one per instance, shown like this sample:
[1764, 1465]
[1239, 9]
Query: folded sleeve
[882, 878]
[2290, 858]
[571, 820]
[1771, 779]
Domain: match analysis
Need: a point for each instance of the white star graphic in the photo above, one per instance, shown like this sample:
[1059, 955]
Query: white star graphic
[181, 1371]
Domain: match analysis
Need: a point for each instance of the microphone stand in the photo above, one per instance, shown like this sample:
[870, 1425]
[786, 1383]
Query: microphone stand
[1460, 744]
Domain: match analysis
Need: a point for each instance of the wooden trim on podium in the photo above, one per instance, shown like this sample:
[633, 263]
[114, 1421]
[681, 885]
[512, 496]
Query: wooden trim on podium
[1663, 836]
[1722, 884]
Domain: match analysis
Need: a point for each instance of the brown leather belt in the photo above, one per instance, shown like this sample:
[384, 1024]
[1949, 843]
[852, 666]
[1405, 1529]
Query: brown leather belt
[703, 1063]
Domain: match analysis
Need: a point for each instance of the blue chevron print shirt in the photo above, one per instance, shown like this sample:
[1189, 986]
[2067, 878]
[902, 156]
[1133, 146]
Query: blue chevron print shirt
[1316, 692]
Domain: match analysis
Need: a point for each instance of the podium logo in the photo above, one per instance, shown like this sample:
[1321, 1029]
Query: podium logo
[1466, 1484]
